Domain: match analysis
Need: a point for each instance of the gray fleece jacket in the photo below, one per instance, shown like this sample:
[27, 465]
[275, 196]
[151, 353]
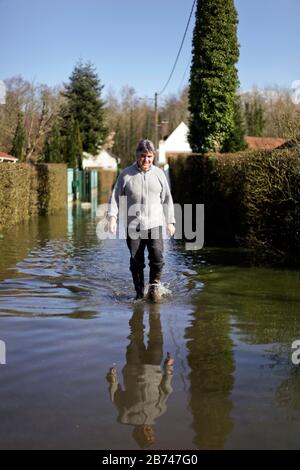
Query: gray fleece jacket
[149, 202]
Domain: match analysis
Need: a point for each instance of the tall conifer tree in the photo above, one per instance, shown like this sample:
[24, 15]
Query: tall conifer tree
[84, 103]
[214, 78]
[53, 146]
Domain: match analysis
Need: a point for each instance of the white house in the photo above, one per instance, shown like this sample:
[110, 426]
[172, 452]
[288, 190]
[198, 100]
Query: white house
[104, 159]
[177, 142]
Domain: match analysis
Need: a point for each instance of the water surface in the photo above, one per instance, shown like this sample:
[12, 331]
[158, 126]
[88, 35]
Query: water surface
[67, 316]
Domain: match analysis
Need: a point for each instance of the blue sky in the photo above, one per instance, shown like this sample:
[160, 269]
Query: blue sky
[135, 42]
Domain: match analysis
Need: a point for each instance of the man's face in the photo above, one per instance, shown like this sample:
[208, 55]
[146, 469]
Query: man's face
[145, 160]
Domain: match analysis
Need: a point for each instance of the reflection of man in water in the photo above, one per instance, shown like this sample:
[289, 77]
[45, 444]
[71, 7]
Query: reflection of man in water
[146, 385]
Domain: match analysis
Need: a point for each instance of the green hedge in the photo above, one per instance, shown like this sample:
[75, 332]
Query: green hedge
[106, 179]
[27, 190]
[252, 199]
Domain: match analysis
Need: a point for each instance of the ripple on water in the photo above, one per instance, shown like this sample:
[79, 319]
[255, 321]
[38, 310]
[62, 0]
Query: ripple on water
[60, 278]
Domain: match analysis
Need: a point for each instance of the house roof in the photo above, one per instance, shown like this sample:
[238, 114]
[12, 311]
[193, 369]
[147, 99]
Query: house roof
[177, 141]
[264, 143]
[6, 156]
[288, 144]
[111, 154]
[101, 152]
[104, 159]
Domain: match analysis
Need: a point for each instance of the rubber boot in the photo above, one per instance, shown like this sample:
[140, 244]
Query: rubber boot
[138, 281]
[154, 281]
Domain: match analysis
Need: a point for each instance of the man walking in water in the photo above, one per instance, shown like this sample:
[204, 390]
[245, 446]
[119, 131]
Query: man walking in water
[149, 205]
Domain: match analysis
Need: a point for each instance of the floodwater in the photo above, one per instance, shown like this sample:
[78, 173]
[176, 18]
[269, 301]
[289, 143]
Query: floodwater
[67, 316]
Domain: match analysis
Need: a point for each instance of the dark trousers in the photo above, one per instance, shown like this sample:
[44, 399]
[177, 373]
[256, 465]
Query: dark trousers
[153, 240]
[137, 351]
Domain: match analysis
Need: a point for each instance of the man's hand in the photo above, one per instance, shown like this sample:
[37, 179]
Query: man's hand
[112, 225]
[170, 229]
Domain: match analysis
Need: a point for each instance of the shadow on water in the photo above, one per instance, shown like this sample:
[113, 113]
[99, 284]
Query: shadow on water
[211, 360]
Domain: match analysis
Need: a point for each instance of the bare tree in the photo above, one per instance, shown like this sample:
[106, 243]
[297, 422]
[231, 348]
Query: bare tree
[39, 106]
[281, 114]
[174, 110]
[41, 110]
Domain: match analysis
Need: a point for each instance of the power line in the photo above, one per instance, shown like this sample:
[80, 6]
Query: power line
[183, 77]
[176, 60]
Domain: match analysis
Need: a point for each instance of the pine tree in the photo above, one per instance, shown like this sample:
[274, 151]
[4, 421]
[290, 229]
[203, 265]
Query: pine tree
[73, 145]
[18, 143]
[77, 146]
[236, 139]
[214, 78]
[84, 103]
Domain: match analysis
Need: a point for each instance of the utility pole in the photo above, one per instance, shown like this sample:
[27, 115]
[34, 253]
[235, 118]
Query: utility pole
[155, 121]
